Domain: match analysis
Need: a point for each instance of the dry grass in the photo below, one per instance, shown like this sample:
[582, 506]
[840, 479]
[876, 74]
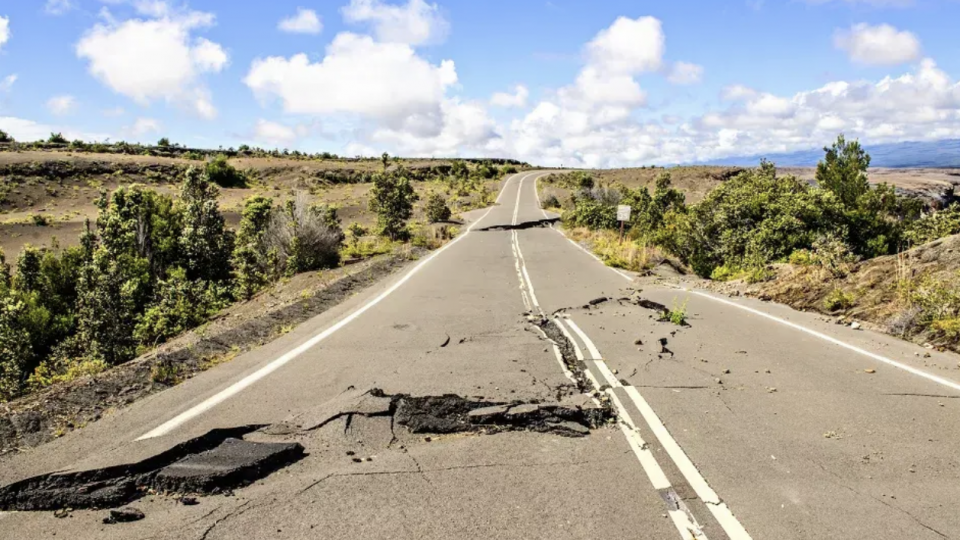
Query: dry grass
[632, 255]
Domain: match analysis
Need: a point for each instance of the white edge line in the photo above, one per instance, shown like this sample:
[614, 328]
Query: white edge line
[889, 361]
[245, 382]
[909, 369]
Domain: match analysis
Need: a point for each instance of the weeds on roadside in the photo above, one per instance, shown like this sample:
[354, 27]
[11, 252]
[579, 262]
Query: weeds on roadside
[677, 314]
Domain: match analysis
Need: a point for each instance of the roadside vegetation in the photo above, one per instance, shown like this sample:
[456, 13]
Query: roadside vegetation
[153, 264]
[757, 220]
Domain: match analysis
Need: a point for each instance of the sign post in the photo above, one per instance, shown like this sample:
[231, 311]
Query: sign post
[623, 216]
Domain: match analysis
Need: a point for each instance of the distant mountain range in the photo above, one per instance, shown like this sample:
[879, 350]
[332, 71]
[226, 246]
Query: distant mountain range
[945, 153]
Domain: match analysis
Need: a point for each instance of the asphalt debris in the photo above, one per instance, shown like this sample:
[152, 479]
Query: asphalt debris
[230, 463]
[123, 515]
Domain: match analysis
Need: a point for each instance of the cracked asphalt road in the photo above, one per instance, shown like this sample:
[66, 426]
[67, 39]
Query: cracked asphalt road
[746, 428]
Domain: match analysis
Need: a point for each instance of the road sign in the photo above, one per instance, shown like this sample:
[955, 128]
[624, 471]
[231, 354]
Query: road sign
[623, 213]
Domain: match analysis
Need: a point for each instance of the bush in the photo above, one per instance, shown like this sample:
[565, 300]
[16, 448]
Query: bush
[837, 299]
[802, 257]
[5, 137]
[40, 220]
[392, 198]
[301, 238]
[591, 213]
[508, 169]
[437, 209]
[181, 304]
[550, 201]
[934, 225]
[163, 143]
[57, 138]
[222, 173]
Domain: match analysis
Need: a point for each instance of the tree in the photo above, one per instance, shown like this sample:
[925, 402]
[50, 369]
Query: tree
[205, 243]
[5, 137]
[221, 172]
[57, 138]
[385, 161]
[844, 171]
[163, 143]
[437, 209]
[392, 198]
[249, 254]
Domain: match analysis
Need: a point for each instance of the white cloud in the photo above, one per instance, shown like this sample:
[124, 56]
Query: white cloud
[517, 99]
[58, 7]
[61, 105]
[274, 134]
[462, 128]
[114, 112]
[7, 82]
[628, 47]
[28, 130]
[305, 21]
[4, 30]
[685, 73]
[157, 57]
[737, 92]
[415, 23]
[878, 45]
[143, 126]
[382, 81]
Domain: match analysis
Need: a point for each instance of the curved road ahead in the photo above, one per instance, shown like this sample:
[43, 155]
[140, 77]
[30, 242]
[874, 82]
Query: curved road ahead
[754, 421]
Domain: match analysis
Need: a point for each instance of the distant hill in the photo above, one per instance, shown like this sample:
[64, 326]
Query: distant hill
[944, 153]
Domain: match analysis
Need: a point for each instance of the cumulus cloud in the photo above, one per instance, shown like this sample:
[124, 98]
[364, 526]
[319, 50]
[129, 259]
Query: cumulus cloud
[516, 99]
[383, 81]
[61, 105]
[156, 57]
[28, 130]
[628, 47]
[878, 45]
[4, 30]
[414, 23]
[274, 134]
[58, 7]
[685, 73]
[143, 126]
[306, 21]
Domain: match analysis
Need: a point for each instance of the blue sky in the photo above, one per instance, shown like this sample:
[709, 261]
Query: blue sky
[612, 83]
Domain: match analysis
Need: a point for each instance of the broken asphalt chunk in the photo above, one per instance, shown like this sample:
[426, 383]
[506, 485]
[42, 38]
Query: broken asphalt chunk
[123, 515]
[233, 464]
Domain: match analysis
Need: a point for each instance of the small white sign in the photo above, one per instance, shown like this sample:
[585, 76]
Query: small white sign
[623, 213]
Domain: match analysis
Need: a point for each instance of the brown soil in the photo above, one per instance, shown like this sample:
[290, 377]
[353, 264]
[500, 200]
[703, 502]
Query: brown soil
[40, 417]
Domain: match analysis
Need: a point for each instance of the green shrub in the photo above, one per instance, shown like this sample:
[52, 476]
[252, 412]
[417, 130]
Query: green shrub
[508, 169]
[163, 143]
[392, 198]
[57, 138]
[5, 138]
[222, 173]
[205, 243]
[837, 299]
[550, 201]
[802, 257]
[437, 209]
[934, 225]
[40, 220]
[249, 259]
[180, 305]
[676, 314]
